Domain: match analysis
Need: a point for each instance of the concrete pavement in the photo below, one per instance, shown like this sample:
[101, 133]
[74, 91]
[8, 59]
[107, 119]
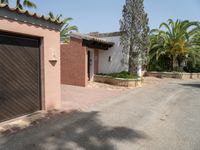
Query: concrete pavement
[78, 98]
[160, 117]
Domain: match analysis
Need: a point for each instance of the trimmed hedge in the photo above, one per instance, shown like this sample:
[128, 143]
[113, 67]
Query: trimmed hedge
[123, 75]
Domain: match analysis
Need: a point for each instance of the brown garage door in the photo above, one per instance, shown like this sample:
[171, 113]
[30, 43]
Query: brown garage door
[19, 76]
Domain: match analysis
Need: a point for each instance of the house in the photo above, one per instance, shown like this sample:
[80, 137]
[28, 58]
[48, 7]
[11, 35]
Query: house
[113, 60]
[30, 63]
[87, 55]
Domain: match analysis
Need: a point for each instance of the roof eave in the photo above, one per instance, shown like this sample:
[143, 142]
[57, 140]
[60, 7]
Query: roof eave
[90, 38]
[29, 17]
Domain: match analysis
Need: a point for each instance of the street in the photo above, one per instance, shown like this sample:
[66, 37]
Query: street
[164, 116]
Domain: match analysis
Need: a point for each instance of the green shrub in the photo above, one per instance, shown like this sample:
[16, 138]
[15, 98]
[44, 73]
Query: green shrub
[164, 64]
[123, 75]
[192, 68]
[160, 65]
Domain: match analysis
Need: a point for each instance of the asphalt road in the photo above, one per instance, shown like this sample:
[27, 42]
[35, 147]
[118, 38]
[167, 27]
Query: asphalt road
[165, 116]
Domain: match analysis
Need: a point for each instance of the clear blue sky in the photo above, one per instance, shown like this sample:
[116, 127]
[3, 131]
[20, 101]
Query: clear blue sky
[104, 15]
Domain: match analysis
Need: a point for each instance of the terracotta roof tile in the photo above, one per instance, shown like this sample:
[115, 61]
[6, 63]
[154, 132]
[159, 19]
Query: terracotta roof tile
[91, 38]
[31, 14]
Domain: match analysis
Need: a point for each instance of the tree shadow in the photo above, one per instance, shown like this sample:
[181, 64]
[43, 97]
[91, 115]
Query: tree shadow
[80, 130]
[195, 85]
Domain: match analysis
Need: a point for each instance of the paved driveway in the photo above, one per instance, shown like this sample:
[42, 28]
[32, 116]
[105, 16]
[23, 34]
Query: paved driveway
[160, 117]
[78, 98]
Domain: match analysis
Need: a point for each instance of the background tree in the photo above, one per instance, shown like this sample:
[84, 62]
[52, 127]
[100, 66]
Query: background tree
[177, 41]
[52, 16]
[4, 2]
[26, 3]
[135, 40]
[66, 28]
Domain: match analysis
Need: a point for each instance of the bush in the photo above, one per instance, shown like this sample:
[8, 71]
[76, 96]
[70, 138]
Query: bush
[191, 68]
[160, 65]
[123, 75]
[164, 64]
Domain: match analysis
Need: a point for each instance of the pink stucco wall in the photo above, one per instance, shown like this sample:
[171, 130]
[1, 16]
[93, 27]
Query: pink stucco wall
[51, 89]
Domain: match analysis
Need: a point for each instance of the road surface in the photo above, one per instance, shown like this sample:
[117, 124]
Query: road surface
[164, 116]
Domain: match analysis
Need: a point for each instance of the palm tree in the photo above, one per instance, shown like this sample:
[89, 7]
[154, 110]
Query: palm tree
[57, 17]
[3, 1]
[66, 28]
[26, 3]
[194, 54]
[176, 40]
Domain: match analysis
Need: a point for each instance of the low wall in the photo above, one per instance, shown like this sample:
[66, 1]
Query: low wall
[117, 81]
[176, 75]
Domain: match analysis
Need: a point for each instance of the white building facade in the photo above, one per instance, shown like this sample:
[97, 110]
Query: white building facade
[112, 60]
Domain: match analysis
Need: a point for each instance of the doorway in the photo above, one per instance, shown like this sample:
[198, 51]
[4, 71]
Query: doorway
[90, 63]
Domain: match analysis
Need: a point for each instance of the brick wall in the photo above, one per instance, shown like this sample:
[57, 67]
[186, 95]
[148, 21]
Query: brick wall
[74, 63]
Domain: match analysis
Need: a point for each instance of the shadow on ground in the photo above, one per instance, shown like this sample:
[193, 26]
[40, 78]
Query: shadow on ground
[77, 131]
[192, 85]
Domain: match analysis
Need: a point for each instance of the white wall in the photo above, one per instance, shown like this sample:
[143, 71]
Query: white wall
[116, 65]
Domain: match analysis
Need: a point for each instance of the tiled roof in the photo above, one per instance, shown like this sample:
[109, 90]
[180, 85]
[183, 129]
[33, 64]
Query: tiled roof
[91, 38]
[110, 34]
[31, 14]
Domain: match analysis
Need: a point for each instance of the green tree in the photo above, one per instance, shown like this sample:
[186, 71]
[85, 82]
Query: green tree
[176, 40]
[135, 39]
[66, 28]
[4, 2]
[26, 3]
[52, 16]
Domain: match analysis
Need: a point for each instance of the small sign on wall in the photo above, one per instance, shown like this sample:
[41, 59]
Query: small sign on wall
[53, 55]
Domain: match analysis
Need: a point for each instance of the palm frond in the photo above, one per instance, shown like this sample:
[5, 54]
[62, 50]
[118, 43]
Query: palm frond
[175, 39]
[29, 4]
[51, 15]
[67, 29]
[4, 2]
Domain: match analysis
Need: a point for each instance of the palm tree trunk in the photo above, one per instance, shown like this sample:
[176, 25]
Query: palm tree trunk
[173, 63]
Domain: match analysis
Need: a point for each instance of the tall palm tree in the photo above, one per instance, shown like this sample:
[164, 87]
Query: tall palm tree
[57, 17]
[175, 40]
[194, 54]
[4, 2]
[66, 28]
[26, 3]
